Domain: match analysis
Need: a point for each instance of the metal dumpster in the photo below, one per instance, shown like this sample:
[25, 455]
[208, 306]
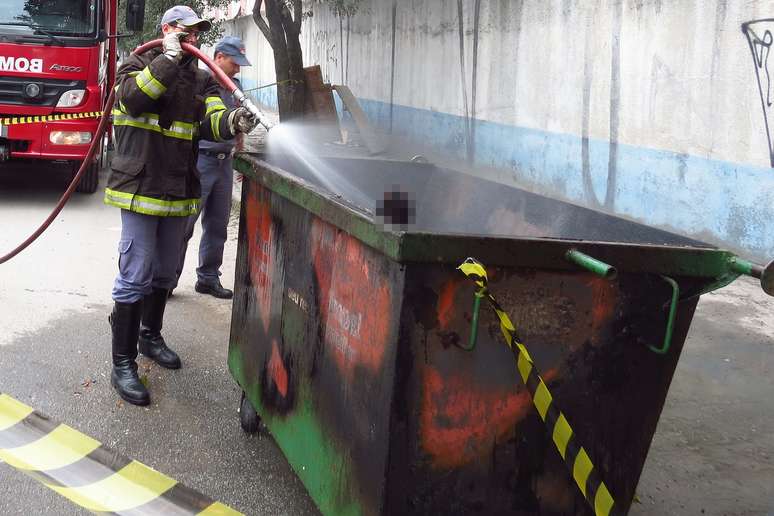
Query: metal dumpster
[347, 337]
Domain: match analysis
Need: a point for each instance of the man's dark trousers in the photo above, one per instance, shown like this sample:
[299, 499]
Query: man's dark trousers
[217, 178]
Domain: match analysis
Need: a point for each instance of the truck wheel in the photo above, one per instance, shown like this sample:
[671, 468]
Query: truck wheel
[103, 151]
[248, 417]
[90, 179]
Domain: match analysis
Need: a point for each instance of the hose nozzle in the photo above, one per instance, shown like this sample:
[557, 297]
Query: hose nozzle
[245, 101]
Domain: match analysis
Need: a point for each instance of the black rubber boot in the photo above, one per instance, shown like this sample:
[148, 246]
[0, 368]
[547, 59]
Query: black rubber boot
[125, 323]
[152, 344]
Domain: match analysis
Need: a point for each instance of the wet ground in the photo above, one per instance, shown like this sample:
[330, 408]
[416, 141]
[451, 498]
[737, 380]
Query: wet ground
[713, 452]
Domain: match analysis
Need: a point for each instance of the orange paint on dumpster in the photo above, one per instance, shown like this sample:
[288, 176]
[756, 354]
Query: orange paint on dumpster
[277, 370]
[354, 300]
[603, 302]
[261, 262]
[460, 423]
[446, 302]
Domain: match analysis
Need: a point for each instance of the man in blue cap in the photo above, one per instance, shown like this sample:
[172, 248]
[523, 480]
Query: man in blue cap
[216, 169]
[164, 105]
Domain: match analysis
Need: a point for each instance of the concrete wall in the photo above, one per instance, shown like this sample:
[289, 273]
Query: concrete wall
[646, 108]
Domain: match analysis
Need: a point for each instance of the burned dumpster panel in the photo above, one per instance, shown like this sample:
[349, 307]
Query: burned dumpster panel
[451, 202]
[313, 338]
[466, 436]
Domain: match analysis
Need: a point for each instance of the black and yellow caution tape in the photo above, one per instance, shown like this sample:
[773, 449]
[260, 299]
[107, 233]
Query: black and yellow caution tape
[89, 474]
[18, 120]
[575, 456]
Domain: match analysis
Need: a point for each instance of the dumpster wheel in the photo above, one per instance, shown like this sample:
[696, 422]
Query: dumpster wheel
[248, 417]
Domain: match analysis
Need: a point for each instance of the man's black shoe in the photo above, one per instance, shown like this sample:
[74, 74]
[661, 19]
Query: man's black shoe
[214, 289]
[152, 345]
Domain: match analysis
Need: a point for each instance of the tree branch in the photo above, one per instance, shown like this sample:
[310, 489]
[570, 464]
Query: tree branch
[260, 22]
[297, 15]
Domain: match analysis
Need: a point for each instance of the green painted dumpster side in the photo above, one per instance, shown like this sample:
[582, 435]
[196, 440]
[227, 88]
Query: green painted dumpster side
[313, 340]
[318, 464]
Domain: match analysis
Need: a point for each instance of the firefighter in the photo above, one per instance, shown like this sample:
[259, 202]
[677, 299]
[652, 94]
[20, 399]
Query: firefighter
[164, 104]
[217, 174]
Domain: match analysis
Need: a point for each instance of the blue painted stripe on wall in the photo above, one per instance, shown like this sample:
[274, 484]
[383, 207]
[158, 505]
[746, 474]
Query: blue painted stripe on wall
[266, 98]
[728, 203]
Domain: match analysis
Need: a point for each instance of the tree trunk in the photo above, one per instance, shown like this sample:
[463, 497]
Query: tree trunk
[296, 86]
[282, 30]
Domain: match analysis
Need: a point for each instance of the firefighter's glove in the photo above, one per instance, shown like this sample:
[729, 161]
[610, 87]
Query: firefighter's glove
[242, 121]
[171, 43]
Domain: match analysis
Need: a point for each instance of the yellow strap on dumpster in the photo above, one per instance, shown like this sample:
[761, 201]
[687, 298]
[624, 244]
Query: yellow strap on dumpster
[89, 474]
[18, 120]
[575, 456]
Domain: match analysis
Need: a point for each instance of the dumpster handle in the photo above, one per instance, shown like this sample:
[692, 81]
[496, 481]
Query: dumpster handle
[591, 264]
[474, 321]
[670, 328]
[742, 266]
[764, 274]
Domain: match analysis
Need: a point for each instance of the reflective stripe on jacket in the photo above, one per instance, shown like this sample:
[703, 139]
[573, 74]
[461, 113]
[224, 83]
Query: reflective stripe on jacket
[230, 101]
[162, 109]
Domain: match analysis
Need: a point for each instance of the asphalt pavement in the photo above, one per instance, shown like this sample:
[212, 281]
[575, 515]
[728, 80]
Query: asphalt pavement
[713, 452]
[55, 357]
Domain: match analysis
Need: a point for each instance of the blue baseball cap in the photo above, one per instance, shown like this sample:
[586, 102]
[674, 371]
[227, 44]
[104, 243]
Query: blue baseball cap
[186, 17]
[233, 47]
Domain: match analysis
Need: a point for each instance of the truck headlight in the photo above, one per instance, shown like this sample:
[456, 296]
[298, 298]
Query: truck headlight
[71, 98]
[69, 137]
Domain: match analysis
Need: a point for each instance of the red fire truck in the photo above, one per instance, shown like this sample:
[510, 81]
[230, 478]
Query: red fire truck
[57, 57]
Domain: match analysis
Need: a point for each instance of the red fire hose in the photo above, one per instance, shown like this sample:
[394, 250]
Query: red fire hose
[221, 77]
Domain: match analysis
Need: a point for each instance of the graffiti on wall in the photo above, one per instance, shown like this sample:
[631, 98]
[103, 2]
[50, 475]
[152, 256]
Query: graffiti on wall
[759, 37]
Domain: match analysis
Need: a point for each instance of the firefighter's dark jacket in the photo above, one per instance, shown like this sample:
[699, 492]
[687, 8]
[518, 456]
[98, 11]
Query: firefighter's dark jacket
[161, 111]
